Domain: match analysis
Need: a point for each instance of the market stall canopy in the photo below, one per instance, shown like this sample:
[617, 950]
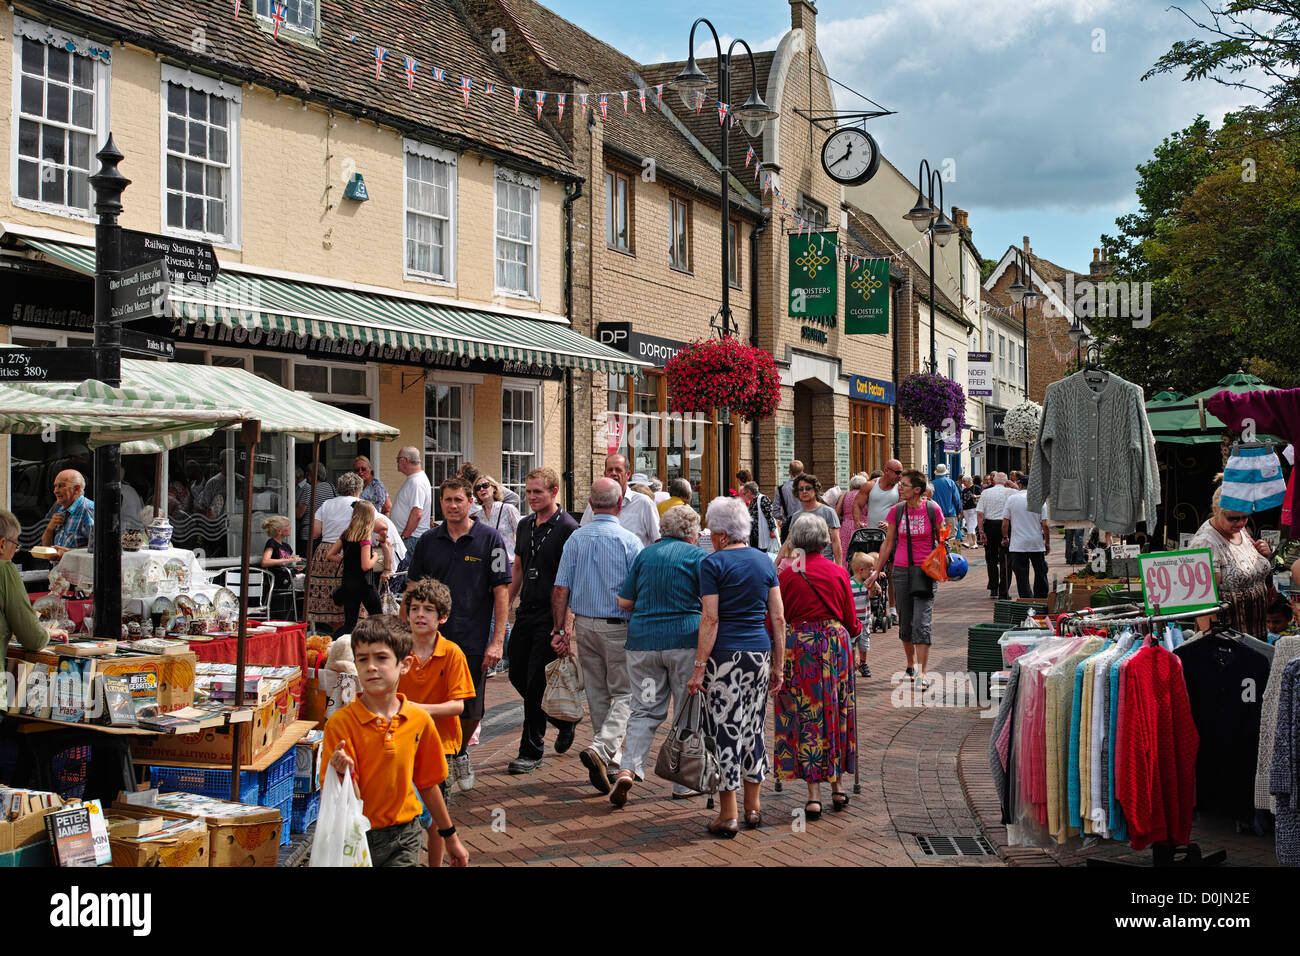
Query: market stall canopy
[112, 415]
[251, 300]
[1178, 421]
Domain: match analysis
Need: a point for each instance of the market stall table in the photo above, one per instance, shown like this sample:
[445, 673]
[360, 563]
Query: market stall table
[108, 772]
[286, 647]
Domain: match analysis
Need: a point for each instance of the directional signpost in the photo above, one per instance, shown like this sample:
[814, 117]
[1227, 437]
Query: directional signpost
[46, 365]
[140, 292]
[154, 346]
[187, 260]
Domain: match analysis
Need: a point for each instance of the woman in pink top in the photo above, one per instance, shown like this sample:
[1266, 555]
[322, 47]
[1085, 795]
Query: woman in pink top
[847, 524]
[910, 547]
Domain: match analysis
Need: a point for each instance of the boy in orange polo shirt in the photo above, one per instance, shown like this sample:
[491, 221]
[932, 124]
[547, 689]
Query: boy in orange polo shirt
[439, 681]
[392, 748]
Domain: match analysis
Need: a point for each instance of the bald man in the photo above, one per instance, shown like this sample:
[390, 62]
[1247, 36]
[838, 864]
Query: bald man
[637, 513]
[72, 517]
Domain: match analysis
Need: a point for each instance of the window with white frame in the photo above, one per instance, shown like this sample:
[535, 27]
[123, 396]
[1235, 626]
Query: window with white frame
[516, 232]
[60, 103]
[1002, 356]
[299, 16]
[679, 234]
[200, 155]
[952, 364]
[430, 212]
[518, 435]
[445, 430]
[1012, 376]
[618, 203]
[1022, 361]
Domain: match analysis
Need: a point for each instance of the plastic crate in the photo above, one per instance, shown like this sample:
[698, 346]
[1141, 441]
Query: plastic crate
[207, 783]
[276, 794]
[286, 818]
[278, 772]
[69, 770]
[306, 808]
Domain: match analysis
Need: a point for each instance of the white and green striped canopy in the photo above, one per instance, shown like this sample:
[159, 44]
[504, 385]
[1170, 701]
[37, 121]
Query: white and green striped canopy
[244, 300]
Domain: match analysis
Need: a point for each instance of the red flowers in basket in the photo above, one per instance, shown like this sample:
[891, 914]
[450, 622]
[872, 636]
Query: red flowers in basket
[724, 373]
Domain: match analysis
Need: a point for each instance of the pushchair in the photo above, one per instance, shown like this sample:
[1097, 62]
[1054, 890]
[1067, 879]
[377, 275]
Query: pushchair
[869, 540]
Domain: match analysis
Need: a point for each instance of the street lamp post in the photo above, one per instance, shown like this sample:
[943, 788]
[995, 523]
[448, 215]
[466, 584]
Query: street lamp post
[754, 116]
[927, 217]
[1022, 291]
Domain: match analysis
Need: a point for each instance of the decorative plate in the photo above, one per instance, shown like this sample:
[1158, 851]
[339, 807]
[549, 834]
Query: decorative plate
[225, 604]
[202, 606]
[50, 608]
[175, 568]
[185, 606]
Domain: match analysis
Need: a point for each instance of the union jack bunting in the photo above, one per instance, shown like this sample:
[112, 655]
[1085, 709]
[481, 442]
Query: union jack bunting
[749, 156]
[582, 101]
[466, 84]
[380, 55]
[411, 67]
[489, 88]
[519, 91]
[733, 120]
[722, 113]
[641, 96]
[604, 105]
[659, 94]
[278, 15]
[236, 9]
[699, 101]
[540, 96]
[439, 73]
[624, 95]
[562, 97]
[758, 172]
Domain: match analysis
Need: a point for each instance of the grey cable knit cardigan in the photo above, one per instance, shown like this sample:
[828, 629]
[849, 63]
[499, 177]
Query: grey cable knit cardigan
[1095, 455]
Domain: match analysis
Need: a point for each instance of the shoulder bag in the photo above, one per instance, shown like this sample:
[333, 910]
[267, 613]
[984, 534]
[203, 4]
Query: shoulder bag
[690, 754]
[919, 584]
[832, 615]
[936, 563]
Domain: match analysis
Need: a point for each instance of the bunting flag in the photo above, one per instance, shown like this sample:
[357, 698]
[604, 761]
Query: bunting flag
[624, 95]
[489, 88]
[236, 9]
[582, 101]
[722, 113]
[659, 94]
[439, 73]
[562, 97]
[519, 91]
[699, 101]
[411, 67]
[380, 54]
[604, 106]
[733, 120]
[540, 96]
[641, 96]
[277, 14]
[466, 84]
[749, 156]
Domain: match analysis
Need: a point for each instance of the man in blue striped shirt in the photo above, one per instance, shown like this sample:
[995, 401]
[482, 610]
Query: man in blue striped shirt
[596, 559]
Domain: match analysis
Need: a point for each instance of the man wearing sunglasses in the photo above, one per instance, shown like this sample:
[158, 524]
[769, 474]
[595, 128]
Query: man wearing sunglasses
[413, 505]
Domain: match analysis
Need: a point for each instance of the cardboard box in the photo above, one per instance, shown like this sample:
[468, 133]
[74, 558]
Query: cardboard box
[175, 672]
[314, 700]
[306, 770]
[214, 745]
[251, 839]
[188, 848]
[24, 831]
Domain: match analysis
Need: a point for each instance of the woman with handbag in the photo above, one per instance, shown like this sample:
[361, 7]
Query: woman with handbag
[815, 738]
[740, 656]
[662, 590]
[913, 588]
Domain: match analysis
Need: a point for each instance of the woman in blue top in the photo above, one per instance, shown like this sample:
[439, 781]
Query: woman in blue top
[740, 656]
[662, 590]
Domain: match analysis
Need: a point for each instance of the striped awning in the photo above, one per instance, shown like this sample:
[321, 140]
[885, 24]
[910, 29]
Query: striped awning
[244, 300]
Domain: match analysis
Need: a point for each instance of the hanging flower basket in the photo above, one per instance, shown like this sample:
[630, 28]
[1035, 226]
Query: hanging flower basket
[930, 399]
[724, 373]
[1021, 423]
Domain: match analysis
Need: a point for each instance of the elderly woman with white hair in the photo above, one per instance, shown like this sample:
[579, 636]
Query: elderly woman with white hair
[739, 656]
[848, 524]
[17, 619]
[662, 590]
[1241, 566]
[816, 739]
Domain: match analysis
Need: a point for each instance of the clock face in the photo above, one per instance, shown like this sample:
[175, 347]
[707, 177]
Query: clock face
[850, 156]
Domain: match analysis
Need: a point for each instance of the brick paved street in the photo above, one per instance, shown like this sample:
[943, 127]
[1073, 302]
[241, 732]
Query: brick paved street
[924, 770]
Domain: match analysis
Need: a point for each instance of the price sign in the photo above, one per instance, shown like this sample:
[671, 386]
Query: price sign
[1179, 581]
[1121, 551]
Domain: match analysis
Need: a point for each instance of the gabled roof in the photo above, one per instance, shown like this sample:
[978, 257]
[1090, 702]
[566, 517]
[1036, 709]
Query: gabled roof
[1041, 272]
[705, 125]
[337, 69]
[568, 50]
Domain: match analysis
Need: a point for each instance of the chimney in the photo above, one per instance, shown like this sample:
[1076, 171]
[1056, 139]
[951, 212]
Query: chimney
[1100, 266]
[803, 16]
[960, 218]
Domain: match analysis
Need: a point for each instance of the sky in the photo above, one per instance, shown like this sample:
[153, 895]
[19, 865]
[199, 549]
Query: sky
[1038, 104]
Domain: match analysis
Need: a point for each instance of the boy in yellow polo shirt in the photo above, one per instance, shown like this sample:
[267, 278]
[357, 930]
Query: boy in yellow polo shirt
[439, 681]
[392, 748]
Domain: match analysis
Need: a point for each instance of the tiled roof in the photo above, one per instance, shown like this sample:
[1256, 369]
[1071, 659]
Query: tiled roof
[338, 69]
[570, 50]
[705, 125]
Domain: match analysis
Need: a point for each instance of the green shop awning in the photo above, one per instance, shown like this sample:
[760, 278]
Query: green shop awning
[244, 300]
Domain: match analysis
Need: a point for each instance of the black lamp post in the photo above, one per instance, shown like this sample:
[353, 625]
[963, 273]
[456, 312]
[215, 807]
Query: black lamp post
[754, 116]
[1022, 291]
[925, 216]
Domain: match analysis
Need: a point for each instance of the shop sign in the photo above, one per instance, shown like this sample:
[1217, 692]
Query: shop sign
[188, 260]
[46, 365]
[784, 450]
[995, 419]
[814, 277]
[862, 389]
[866, 299]
[979, 374]
[647, 348]
[952, 444]
[842, 459]
[977, 447]
[1175, 582]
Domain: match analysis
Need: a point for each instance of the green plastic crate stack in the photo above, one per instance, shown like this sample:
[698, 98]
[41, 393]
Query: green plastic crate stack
[982, 650]
[1011, 613]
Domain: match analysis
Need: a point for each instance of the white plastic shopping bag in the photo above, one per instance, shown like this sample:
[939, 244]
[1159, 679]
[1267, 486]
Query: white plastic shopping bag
[341, 826]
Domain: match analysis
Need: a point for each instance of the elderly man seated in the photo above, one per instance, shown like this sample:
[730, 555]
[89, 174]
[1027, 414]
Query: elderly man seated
[72, 518]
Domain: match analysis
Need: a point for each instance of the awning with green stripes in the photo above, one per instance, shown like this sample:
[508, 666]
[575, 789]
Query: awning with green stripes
[278, 305]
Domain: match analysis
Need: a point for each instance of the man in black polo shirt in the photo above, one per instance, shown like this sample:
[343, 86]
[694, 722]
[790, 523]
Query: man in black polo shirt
[471, 559]
[539, 542]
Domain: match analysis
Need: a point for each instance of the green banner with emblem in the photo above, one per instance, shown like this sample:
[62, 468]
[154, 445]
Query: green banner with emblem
[814, 278]
[866, 298]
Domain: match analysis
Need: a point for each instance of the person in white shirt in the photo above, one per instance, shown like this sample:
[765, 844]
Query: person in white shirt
[990, 513]
[639, 514]
[413, 503]
[1028, 540]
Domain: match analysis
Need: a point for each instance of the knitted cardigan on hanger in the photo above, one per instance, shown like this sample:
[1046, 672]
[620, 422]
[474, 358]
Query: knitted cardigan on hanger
[1095, 456]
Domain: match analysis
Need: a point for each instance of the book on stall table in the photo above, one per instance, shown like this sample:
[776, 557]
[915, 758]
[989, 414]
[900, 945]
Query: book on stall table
[187, 720]
[85, 648]
[144, 689]
[160, 646]
[74, 684]
[79, 835]
[134, 827]
[116, 707]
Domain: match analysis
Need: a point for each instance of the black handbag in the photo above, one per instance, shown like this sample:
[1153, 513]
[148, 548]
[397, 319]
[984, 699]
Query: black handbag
[919, 584]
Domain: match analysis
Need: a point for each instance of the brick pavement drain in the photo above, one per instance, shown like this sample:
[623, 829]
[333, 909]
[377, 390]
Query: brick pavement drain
[954, 845]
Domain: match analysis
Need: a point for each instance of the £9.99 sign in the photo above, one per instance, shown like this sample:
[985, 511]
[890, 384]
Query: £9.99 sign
[1178, 581]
